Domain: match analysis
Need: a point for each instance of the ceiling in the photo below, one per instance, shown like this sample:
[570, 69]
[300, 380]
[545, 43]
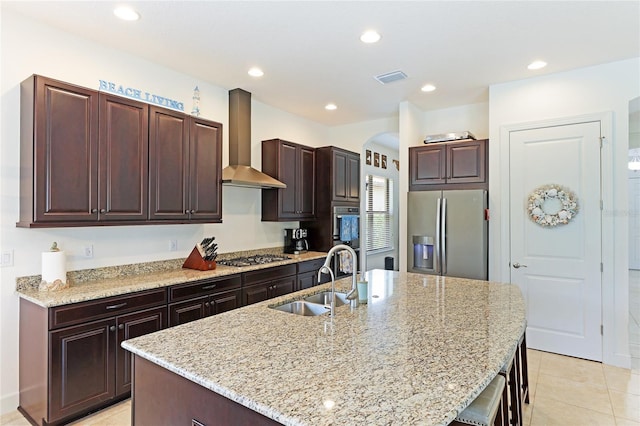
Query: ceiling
[311, 53]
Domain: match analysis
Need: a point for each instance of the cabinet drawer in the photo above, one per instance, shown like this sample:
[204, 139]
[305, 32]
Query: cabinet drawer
[310, 266]
[204, 287]
[268, 274]
[102, 308]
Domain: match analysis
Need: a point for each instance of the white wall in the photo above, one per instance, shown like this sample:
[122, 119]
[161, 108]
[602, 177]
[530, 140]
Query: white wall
[30, 48]
[474, 118]
[591, 90]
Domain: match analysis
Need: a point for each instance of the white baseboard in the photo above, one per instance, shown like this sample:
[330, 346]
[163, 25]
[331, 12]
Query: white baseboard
[9, 403]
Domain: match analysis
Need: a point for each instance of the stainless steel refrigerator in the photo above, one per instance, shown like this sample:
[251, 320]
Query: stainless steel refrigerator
[448, 233]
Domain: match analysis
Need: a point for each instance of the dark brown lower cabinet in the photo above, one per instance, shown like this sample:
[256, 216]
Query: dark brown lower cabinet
[71, 361]
[195, 309]
[196, 300]
[130, 326]
[82, 367]
[267, 283]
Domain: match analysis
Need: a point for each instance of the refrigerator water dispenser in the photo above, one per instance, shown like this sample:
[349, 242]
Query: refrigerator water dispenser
[422, 252]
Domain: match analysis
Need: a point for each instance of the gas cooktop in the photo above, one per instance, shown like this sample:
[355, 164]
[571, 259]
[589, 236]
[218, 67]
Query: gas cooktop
[252, 260]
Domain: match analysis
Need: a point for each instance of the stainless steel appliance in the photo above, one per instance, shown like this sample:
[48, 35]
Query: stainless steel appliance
[295, 240]
[448, 233]
[345, 230]
[258, 259]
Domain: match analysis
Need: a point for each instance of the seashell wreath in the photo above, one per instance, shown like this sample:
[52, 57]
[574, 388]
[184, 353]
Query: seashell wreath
[552, 205]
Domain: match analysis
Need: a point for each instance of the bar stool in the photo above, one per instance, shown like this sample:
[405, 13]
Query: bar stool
[487, 409]
[517, 383]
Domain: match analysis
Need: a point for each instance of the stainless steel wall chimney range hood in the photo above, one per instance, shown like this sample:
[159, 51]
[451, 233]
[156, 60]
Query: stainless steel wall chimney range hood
[239, 171]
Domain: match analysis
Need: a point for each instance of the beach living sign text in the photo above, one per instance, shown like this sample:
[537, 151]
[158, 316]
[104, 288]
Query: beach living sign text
[129, 92]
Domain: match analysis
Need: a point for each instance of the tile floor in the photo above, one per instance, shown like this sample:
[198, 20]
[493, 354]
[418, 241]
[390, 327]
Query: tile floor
[563, 390]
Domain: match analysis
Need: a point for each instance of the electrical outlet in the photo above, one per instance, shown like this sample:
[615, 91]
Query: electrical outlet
[7, 258]
[88, 251]
[173, 245]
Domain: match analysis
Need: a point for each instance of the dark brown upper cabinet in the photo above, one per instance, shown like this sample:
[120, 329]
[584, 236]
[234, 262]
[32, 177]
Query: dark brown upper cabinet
[85, 160]
[58, 153]
[338, 175]
[185, 167]
[449, 165]
[123, 159]
[294, 165]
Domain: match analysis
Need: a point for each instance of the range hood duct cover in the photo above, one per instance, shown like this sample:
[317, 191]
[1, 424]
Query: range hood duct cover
[239, 171]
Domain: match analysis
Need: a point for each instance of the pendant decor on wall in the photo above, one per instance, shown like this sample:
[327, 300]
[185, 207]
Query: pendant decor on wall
[552, 205]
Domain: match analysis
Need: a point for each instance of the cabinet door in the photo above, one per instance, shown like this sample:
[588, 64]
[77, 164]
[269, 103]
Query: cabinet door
[306, 188]
[223, 302]
[288, 206]
[82, 364]
[191, 310]
[130, 326]
[339, 176]
[66, 152]
[427, 165]
[123, 159]
[346, 176]
[307, 280]
[256, 293]
[282, 286]
[353, 178]
[466, 162]
[168, 164]
[205, 183]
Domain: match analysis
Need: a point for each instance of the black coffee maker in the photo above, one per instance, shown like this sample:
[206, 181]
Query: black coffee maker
[295, 241]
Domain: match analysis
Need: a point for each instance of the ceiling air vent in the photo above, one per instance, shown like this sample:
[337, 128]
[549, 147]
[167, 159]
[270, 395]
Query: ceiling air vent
[390, 77]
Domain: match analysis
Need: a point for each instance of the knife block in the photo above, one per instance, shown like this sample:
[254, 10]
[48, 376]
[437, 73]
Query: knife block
[195, 261]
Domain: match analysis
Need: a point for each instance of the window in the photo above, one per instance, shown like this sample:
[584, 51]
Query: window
[379, 214]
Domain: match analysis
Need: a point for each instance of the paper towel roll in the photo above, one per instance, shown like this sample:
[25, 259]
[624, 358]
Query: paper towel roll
[54, 267]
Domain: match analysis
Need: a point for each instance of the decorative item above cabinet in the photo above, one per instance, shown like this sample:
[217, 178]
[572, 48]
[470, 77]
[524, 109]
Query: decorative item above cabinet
[85, 160]
[461, 165]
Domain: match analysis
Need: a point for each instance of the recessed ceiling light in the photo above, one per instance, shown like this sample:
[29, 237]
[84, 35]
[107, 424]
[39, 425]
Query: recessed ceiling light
[126, 13]
[330, 107]
[428, 88]
[369, 37]
[256, 72]
[536, 65]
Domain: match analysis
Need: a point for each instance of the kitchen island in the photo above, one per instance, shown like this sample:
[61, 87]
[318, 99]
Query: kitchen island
[418, 352]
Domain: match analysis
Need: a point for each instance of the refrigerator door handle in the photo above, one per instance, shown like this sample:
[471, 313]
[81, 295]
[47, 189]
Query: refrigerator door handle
[443, 236]
[436, 248]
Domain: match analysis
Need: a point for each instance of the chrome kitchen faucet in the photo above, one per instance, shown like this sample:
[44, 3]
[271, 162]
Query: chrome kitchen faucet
[352, 296]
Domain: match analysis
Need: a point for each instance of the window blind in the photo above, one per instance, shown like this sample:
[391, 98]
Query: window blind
[379, 214]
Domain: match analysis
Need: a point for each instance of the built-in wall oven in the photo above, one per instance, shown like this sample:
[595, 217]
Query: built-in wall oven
[346, 230]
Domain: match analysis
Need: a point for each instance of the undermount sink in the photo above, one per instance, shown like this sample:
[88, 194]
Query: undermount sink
[324, 298]
[301, 307]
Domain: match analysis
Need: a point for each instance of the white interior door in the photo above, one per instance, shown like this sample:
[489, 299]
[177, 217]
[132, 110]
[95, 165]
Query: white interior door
[560, 266]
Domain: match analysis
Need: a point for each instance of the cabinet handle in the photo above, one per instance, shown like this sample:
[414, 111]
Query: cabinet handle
[112, 328]
[192, 211]
[121, 327]
[186, 212]
[94, 210]
[103, 210]
[118, 306]
[209, 287]
[206, 304]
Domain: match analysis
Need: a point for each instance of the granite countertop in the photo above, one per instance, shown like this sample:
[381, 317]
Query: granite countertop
[113, 281]
[418, 353]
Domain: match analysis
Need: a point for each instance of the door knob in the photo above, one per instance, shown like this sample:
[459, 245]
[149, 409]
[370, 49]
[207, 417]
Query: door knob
[517, 265]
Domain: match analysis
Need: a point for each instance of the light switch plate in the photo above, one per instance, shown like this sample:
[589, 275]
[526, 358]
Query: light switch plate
[7, 258]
